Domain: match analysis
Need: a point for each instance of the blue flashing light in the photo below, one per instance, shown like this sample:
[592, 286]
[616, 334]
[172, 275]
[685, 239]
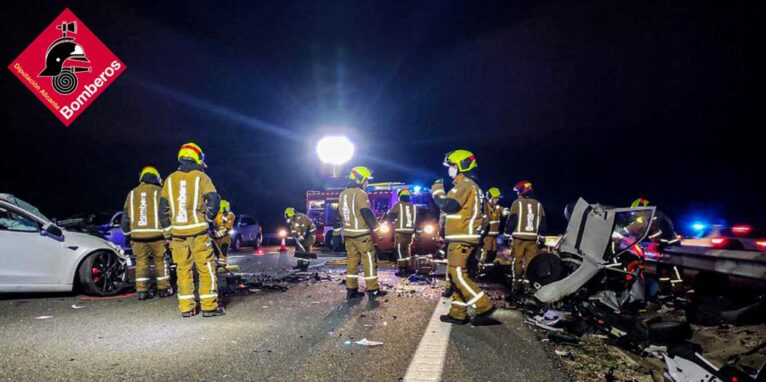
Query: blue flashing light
[417, 189]
[698, 226]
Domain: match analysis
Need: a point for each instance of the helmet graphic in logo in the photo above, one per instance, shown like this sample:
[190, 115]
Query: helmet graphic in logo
[64, 59]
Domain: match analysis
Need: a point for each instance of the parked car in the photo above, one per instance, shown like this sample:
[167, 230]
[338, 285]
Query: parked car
[36, 255]
[105, 224]
[246, 232]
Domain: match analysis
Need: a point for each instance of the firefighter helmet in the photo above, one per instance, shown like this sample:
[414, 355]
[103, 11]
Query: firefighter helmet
[640, 202]
[225, 206]
[464, 160]
[403, 192]
[149, 170]
[494, 192]
[360, 174]
[523, 188]
[289, 212]
[192, 151]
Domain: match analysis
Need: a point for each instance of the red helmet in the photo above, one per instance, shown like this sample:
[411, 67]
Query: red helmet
[523, 188]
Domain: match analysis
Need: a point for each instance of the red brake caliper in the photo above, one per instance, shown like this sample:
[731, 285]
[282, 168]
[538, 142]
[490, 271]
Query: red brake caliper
[96, 273]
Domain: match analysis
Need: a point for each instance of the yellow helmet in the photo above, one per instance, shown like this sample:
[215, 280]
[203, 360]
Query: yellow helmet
[359, 174]
[464, 160]
[289, 212]
[403, 192]
[640, 202]
[494, 192]
[192, 151]
[149, 170]
[225, 206]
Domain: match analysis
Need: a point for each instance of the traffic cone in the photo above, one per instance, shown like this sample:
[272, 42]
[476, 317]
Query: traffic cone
[283, 246]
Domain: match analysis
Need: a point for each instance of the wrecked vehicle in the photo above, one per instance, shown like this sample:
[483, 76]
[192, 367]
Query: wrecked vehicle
[593, 282]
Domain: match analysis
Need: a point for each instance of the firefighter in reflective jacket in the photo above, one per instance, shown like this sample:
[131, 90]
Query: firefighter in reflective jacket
[188, 205]
[302, 229]
[403, 216]
[463, 206]
[493, 213]
[358, 224]
[526, 222]
[222, 224]
[140, 222]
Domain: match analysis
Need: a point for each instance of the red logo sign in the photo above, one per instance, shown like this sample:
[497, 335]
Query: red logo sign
[67, 67]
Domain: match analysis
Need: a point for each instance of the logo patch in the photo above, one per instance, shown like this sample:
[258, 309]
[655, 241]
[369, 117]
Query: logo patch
[67, 67]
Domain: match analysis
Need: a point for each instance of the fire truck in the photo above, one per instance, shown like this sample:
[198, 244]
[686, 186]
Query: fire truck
[322, 208]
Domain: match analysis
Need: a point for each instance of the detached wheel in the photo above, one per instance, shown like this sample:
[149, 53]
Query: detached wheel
[236, 243]
[669, 332]
[545, 268]
[103, 274]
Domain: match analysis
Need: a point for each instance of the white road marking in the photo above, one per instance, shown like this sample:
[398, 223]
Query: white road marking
[428, 362]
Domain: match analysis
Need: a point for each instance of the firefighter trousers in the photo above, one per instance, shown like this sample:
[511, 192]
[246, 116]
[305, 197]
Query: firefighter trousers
[403, 242]
[489, 249]
[361, 248]
[223, 244]
[146, 251]
[523, 251]
[308, 245]
[465, 292]
[198, 251]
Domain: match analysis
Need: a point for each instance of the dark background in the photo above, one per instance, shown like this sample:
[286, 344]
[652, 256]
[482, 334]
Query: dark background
[609, 100]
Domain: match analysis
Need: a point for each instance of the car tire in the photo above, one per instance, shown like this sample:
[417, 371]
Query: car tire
[328, 240]
[258, 241]
[236, 243]
[103, 274]
[544, 269]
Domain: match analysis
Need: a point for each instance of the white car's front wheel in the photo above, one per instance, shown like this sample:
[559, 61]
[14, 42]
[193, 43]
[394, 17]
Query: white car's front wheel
[103, 273]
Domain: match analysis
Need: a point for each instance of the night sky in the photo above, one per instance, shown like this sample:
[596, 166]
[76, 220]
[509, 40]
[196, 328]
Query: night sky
[608, 100]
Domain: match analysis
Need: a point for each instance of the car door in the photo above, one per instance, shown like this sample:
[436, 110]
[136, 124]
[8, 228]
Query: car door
[114, 233]
[246, 227]
[27, 256]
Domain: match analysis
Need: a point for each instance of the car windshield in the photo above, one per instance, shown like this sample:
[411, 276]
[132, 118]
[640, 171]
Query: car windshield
[630, 227]
[24, 205]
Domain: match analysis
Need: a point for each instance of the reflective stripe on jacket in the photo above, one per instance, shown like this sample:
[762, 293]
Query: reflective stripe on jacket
[142, 209]
[465, 225]
[185, 192]
[350, 203]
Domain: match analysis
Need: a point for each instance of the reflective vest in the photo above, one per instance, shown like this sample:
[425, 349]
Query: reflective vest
[185, 192]
[301, 225]
[406, 215]
[494, 214]
[223, 224]
[528, 213]
[465, 225]
[350, 203]
[142, 208]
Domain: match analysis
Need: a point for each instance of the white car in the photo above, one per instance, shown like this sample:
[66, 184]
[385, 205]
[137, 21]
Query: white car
[38, 256]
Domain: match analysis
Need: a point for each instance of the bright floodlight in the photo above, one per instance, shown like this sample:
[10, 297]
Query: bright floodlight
[335, 150]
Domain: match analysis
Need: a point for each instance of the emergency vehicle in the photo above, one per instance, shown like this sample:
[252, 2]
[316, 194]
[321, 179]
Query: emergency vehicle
[322, 208]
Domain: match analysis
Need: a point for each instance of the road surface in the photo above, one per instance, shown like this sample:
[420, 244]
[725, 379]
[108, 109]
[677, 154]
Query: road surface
[306, 333]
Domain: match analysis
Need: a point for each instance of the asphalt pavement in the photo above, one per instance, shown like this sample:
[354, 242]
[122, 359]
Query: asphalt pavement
[306, 333]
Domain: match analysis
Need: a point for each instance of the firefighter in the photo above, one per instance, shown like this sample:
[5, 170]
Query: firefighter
[141, 225]
[463, 206]
[188, 205]
[222, 224]
[358, 224]
[526, 222]
[302, 229]
[661, 231]
[493, 212]
[403, 214]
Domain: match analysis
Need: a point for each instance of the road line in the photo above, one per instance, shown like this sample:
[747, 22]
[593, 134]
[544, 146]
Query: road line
[428, 362]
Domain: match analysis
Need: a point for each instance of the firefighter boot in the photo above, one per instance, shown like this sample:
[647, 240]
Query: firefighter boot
[189, 314]
[145, 295]
[220, 311]
[451, 320]
[374, 294]
[352, 294]
[166, 292]
[485, 319]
